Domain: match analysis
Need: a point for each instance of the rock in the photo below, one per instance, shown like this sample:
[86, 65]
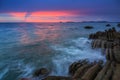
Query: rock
[102, 73]
[80, 71]
[74, 66]
[109, 73]
[41, 72]
[108, 25]
[88, 27]
[92, 72]
[116, 75]
[57, 78]
[113, 54]
[118, 24]
[26, 79]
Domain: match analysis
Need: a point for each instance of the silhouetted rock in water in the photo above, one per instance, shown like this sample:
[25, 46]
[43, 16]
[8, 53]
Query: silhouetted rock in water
[108, 25]
[26, 79]
[118, 24]
[88, 27]
[41, 72]
[57, 78]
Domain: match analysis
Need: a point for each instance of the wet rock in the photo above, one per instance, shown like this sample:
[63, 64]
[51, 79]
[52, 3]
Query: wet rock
[102, 73]
[88, 27]
[26, 79]
[92, 72]
[74, 66]
[116, 75]
[109, 73]
[41, 72]
[108, 25]
[113, 54]
[118, 24]
[80, 71]
[57, 78]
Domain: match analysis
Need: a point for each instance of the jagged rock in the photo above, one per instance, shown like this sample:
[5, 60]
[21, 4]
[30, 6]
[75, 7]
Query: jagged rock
[108, 25]
[113, 54]
[116, 75]
[41, 72]
[92, 72]
[57, 78]
[109, 73]
[88, 27]
[102, 73]
[74, 66]
[80, 71]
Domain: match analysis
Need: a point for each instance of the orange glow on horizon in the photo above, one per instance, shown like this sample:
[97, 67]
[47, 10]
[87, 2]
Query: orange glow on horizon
[18, 14]
[41, 16]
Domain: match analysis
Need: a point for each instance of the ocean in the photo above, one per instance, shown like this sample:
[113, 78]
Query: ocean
[25, 47]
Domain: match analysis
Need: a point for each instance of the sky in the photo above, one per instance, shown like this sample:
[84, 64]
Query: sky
[59, 10]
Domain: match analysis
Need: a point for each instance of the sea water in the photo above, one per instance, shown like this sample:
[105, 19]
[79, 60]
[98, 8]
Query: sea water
[25, 47]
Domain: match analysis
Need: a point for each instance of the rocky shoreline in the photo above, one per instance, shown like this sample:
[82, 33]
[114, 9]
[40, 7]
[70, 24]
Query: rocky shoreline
[109, 43]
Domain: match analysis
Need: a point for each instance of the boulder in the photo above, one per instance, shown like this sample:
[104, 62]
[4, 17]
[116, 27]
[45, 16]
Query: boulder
[116, 75]
[108, 25]
[109, 73]
[92, 72]
[88, 27]
[74, 66]
[102, 73]
[80, 71]
[26, 79]
[41, 72]
[118, 24]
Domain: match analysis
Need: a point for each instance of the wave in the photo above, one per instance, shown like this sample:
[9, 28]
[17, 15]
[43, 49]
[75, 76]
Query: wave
[80, 49]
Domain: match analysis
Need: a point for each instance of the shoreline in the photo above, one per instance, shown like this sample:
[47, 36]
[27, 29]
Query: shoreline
[109, 42]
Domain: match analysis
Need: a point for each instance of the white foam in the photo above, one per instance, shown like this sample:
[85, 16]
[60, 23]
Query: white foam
[3, 72]
[79, 50]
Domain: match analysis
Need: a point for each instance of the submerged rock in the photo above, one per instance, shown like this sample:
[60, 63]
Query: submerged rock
[88, 27]
[118, 24]
[41, 72]
[108, 25]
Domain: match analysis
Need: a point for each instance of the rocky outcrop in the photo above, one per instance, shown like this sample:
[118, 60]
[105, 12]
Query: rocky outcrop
[108, 25]
[109, 41]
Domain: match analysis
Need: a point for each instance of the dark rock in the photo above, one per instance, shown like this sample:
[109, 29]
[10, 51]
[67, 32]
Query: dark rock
[41, 72]
[26, 79]
[116, 75]
[57, 78]
[118, 24]
[80, 71]
[88, 27]
[108, 25]
[92, 72]
[74, 66]
[102, 73]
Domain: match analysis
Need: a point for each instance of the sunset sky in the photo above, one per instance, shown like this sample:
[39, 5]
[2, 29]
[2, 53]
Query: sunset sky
[59, 10]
